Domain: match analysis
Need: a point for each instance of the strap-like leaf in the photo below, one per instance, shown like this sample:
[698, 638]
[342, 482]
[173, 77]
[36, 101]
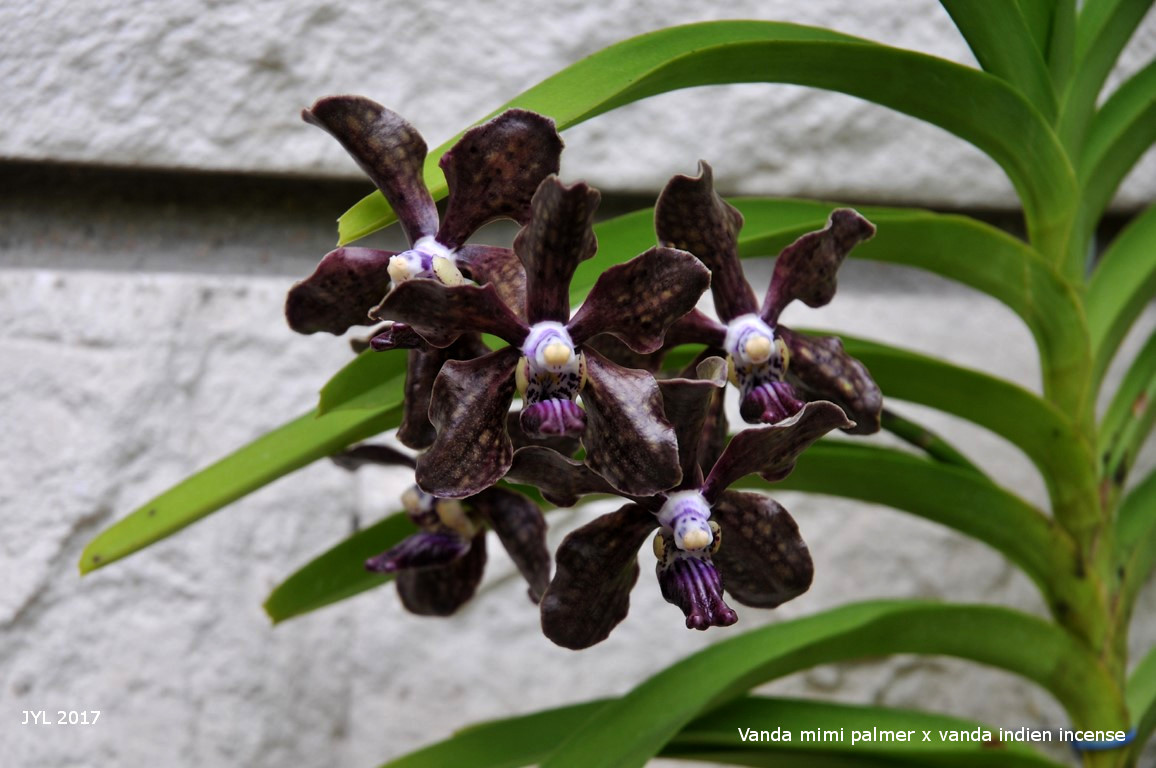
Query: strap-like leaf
[626, 732]
[1136, 534]
[1037, 16]
[1129, 418]
[949, 496]
[368, 382]
[929, 442]
[290, 447]
[339, 572]
[1122, 285]
[994, 116]
[998, 35]
[1141, 695]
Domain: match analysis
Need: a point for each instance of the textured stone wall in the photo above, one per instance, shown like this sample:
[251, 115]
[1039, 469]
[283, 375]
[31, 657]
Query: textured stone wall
[142, 339]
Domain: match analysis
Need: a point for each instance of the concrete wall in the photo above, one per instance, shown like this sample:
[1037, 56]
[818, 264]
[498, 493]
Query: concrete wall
[143, 339]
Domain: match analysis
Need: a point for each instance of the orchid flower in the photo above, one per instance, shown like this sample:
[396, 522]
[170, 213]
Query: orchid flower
[774, 368]
[439, 567]
[622, 427]
[491, 172]
[709, 537]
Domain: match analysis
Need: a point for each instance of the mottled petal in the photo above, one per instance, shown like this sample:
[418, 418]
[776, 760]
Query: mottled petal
[422, 367]
[388, 149]
[499, 267]
[690, 215]
[559, 236]
[440, 313]
[763, 560]
[421, 550]
[597, 566]
[440, 591]
[691, 581]
[396, 336]
[806, 269]
[339, 294]
[561, 480]
[468, 408]
[360, 455]
[825, 371]
[769, 403]
[714, 431]
[685, 402]
[522, 530]
[696, 327]
[628, 439]
[638, 300]
[493, 171]
[771, 451]
[553, 418]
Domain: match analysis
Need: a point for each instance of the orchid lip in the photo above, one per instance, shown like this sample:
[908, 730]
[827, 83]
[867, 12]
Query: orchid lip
[687, 514]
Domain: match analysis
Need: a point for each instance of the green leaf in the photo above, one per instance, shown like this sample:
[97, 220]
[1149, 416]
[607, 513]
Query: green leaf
[371, 381]
[929, 442]
[1036, 427]
[285, 449]
[1062, 43]
[1129, 418]
[1037, 16]
[714, 736]
[998, 35]
[1121, 132]
[339, 572]
[1103, 28]
[1142, 699]
[947, 495]
[1122, 285]
[627, 732]
[1136, 535]
[994, 117]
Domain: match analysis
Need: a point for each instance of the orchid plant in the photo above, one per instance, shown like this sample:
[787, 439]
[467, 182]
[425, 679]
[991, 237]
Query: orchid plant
[626, 395]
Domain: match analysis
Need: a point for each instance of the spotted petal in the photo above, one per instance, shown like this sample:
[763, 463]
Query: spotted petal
[597, 566]
[806, 268]
[628, 439]
[388, 149]
[690, 215]
[558, 237]
[560, 479]
[686, 402]
[347, 283]
[441, 590]
[763, 560]
[468, 408]
[522, 530]
[441, 313]
[825, 371]
[771, 451]
[493, 171]
[499, 267]
[639, 299]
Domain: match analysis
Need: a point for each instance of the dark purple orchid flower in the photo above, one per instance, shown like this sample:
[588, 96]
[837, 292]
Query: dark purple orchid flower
[491, 172]
[439, 567]
[760, 352]
[627, 438]
[708, 536]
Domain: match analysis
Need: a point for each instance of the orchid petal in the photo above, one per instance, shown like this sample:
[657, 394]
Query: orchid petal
[628, 439]
[806, 268]
[597, 566]
[763, 560]
[825, 370]
[347, 283]
[425, 549]
[558, 237]
[388, 149]
[685, 403]
[638, 300]
[421, 370]
[360, 455]
[695, 327]
[396, 336]
[494, 170]
[561, 480]
[441, 590]
[499, 267]
[468, 408]
[567, 446]
[771, 451]
[440, 313]
[690, 215]
[522, 531]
